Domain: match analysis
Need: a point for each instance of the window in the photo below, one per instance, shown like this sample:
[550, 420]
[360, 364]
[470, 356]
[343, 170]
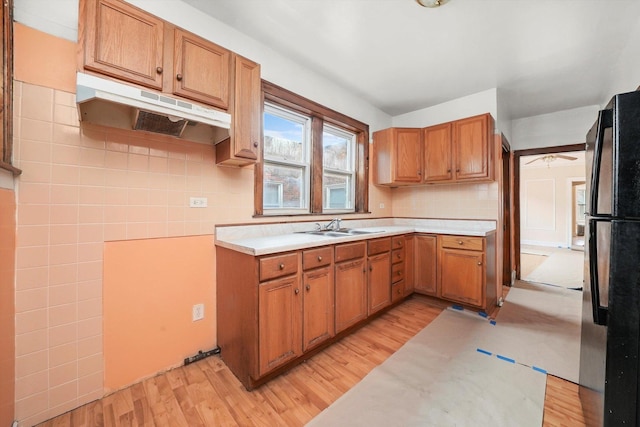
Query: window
[314, 160]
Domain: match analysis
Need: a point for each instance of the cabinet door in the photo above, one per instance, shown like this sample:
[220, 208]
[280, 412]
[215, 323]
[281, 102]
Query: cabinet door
[461, 276]
[247, 114]
[351, 293]
[437, 153]
[409, 263]
[379, 282]
[425, 265]
[470, 138]
[280, 320]
[319, 319]
[122, 41]
[408, 152]
[201, 69]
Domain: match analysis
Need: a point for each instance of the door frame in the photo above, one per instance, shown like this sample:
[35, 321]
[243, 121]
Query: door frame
[516, 190]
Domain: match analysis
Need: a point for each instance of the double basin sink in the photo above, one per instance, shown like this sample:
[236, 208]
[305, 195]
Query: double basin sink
[341, 232]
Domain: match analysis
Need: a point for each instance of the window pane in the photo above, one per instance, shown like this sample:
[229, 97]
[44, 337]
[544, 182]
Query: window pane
[283, 137]
[336, 191]
[291, 180]
[272, 195]
[336, 149]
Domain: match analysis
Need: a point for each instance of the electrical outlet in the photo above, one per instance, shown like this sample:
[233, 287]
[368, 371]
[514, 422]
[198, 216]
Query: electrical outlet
[197, 312]
[198, 202]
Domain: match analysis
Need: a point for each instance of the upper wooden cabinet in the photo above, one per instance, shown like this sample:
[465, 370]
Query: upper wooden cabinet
[122, 41]
[200, 69]
[125, 42]
[438, 159]
[472, 146]
[398, 154]
[246, 109]
[457, 151]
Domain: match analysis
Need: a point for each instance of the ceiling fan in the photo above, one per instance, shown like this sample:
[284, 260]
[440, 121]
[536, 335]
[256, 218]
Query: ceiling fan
[548, 158]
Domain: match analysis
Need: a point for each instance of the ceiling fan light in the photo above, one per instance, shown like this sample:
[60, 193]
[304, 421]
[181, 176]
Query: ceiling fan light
[431, 3]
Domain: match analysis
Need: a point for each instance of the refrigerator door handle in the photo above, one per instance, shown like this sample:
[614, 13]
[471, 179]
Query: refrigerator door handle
[605, 120]
[599, 312]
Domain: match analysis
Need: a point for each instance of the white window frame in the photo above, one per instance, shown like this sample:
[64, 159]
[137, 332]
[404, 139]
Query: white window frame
[304, 165]
[349, 173]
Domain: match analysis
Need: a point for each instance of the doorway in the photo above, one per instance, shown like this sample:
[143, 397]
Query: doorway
[540, 218]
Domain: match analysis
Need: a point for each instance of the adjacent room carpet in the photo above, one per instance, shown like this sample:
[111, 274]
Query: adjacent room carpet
[563, 268]
[465, 370]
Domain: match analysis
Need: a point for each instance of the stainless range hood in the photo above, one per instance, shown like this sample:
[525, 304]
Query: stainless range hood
[113, 104]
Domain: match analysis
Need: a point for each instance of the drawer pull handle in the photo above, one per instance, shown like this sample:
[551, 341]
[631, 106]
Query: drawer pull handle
[281, 266]
[179, 77]
[460, 242]
[297, 291]
[159, 70]
[399, 273]
[308, 287]
[319, 258]
[398, 256]
[479, 262]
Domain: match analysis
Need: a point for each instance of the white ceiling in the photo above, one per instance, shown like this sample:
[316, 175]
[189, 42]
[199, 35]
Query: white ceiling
[542, 55]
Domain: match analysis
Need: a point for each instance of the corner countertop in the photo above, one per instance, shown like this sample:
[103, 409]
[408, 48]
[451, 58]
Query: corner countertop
[267, 239]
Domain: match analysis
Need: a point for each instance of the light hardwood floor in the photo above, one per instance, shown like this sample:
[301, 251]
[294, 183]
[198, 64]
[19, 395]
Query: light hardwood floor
[206, 393]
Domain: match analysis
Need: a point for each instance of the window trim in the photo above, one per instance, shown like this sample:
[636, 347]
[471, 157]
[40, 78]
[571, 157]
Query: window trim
[319, 116]
[6, 141]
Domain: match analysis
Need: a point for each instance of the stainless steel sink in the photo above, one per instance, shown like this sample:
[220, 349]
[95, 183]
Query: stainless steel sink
[343, 232]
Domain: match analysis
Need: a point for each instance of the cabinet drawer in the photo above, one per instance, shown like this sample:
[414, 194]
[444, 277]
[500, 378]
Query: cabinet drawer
[314, 258]
[462, 242]
[397, 255]
[397, 272]
[277, 266]
[397, 242]
[397, 291]
[379, 246]
[350, 251]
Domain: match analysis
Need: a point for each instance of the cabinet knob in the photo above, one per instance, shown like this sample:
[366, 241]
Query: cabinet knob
[319, 258]
[460, 242]
[399, 273]
[297, 291]
[159, 70]
[370, 268]
[457, 170]
[448, 170]
[419, 173]
[308, 287]
[281, 266]
[255, 144]
[179, 77]
[479, 262]
[398, 256]
[398, 290]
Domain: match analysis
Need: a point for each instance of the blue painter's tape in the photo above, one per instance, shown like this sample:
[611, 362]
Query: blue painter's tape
[506, 359]
[488, 353]
[457, 307]
[483, 314]
[493, 322]
[535, 368]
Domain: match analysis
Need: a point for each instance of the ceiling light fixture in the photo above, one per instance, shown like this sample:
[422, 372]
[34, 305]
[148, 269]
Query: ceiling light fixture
[432, 3]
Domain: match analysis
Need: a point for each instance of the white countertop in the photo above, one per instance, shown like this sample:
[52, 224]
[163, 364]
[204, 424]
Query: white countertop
[272, 238]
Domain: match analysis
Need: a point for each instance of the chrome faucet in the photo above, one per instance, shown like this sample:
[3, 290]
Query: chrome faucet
[335, 222]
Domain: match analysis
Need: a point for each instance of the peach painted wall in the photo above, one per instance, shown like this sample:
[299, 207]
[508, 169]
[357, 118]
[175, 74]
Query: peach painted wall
[150, 287]
[7, 308]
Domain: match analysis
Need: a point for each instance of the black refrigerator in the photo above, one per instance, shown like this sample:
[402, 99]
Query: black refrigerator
[610, 337]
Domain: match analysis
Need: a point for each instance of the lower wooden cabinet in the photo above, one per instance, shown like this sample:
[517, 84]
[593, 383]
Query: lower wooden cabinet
[318, 307]
[466, 270]
[279, 322]
[273, 310]
[426, 266]
[351, 285]
[379, 274]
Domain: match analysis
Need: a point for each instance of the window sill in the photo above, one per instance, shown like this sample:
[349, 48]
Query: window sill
[14, 170]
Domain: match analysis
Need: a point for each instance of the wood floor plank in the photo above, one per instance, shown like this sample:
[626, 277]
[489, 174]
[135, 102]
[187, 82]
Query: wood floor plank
[206, 393]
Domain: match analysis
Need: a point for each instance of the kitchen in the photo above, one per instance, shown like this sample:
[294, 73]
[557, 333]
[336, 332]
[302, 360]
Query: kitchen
[93, 212]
